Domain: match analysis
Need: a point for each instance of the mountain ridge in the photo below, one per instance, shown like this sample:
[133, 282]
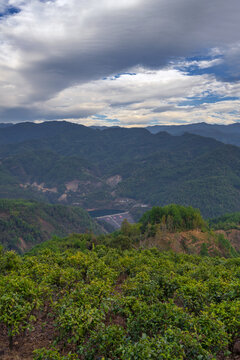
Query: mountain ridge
[228, 134]
[152, 169]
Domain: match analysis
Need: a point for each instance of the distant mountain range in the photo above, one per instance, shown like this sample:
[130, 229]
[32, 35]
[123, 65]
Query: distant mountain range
[228, 134]
[119, 168]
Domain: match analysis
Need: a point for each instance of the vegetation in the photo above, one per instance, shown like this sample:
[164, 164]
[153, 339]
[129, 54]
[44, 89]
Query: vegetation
[172, 227]
[165, 288]
[24, 224]
[119, 296]
[226, 222]
[107, 303]
[173, 218]
[153, 169]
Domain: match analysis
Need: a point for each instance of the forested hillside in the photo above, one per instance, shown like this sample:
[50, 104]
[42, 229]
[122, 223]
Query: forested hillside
[229, 226]
[173, 227]
[24, 224]
[118, 168]
[226, 222]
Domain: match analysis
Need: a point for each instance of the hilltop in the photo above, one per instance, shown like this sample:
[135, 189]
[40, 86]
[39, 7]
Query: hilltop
[171, 228]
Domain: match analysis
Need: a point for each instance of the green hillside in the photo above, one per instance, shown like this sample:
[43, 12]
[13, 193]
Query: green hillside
[226, 222]
[119, 296]
[229, 226]
[173, 227]
[118, 168]
[24, 224]
[68, 303]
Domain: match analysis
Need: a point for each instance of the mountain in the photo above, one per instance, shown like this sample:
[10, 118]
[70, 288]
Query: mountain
[4, 125]
[24, 224]
[182, 229]
[228, 134]
[118, 168]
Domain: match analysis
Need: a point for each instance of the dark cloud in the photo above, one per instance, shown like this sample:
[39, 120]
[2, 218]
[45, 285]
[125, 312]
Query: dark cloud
[162, 109]
[62, 44]
[18, 114]
[148, 34]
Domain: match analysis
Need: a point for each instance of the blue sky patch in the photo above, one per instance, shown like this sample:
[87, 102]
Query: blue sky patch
[105, 118]
[216, 66]
[10, 10]
[209, 99]
[117, 76]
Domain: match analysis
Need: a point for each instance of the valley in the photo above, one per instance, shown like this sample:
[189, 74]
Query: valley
[115, 220]
[98, 233]
[89, 269]
[118, 168]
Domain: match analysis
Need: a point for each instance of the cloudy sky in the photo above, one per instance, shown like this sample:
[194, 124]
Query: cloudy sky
[126, 62]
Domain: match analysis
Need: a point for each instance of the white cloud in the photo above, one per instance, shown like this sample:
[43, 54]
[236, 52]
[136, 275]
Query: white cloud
[148, 96]
[53, 55]
[201, 64]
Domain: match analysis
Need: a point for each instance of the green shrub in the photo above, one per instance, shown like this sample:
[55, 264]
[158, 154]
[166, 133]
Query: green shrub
[173, 218]
[53, 354]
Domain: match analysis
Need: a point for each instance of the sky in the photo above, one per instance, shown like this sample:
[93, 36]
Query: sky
[125, 63]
